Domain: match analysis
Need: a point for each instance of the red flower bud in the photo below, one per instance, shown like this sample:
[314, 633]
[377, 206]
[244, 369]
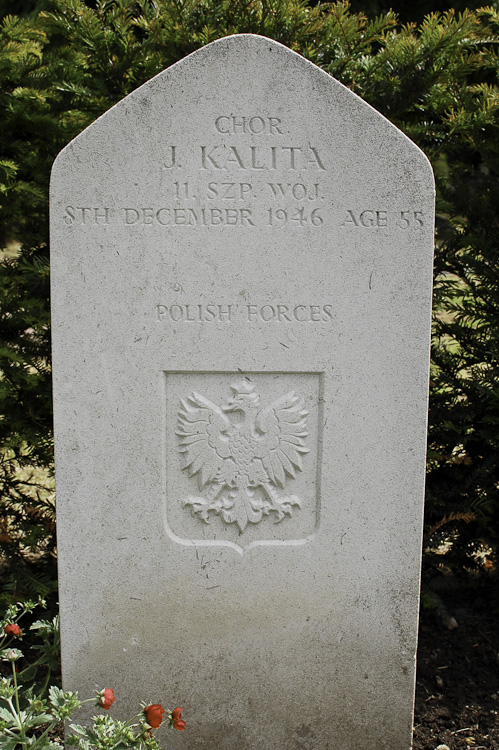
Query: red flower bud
[106, 698]
[12, 629]
[154, 715]
[177, 720]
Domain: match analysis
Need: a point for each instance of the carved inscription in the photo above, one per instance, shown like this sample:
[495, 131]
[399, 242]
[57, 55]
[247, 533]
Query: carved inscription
[242, 454]
[230, 313]
[300, 216]
[208, 217]
[86, 215]
[255, 125]
[253, 174]
[287, 158]
[381, 219]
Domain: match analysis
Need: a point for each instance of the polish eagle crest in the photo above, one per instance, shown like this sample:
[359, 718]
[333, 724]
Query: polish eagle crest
[242, 454]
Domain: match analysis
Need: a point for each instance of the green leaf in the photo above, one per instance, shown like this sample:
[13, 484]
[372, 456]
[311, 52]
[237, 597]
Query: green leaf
[9, 743]
[7, 716]
[36, 721]
[28, 674]
[57, 696]
[63, 703]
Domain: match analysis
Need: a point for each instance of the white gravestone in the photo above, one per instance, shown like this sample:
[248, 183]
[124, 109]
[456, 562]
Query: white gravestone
[241, 265]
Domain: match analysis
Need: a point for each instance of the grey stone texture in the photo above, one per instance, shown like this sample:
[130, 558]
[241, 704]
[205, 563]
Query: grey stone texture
[241, 268]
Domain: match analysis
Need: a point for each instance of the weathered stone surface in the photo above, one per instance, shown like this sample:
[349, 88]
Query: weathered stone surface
[241, 259]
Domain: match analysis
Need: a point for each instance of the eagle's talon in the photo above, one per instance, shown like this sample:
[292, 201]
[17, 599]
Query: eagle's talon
[200, 507]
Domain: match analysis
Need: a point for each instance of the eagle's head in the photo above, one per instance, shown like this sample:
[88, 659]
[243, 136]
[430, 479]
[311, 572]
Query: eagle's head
[245, 397]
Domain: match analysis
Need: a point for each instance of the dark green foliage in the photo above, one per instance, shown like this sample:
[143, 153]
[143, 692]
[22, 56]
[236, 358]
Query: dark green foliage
[21, 7]
[66, 65]
[407, 10]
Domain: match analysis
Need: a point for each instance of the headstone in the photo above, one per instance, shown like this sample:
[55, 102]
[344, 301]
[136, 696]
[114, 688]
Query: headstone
[241, 264]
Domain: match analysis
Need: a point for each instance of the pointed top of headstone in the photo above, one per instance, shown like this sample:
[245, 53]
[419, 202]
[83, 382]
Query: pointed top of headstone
[280, 76]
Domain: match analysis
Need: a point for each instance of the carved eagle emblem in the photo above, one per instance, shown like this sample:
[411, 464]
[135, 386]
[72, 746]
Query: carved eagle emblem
[242, 454]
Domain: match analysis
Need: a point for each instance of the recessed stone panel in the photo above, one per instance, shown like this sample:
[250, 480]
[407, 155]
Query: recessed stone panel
[242, 458]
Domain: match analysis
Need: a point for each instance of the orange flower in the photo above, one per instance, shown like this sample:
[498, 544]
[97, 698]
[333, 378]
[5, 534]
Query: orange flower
[106, 698]
[177, 720]
[154, 715]
[12, 629]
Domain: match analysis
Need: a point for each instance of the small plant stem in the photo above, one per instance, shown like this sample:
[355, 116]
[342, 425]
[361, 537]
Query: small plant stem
[15, 715]
[45, 682]
[22, 735]
[11, 734]
[38, 742]
[14, 675]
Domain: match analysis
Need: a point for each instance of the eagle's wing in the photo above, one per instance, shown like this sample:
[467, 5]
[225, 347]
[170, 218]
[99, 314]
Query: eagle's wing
[282, 429]
[202, 429]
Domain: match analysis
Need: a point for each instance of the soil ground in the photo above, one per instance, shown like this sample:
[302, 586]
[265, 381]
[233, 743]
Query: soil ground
[457, 688]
